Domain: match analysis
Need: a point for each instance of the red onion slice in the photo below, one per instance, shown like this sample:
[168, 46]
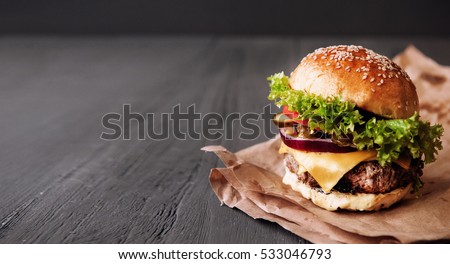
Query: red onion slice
[313, 145]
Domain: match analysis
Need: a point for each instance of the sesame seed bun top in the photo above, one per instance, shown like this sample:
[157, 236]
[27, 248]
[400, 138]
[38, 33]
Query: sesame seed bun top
[358, 75]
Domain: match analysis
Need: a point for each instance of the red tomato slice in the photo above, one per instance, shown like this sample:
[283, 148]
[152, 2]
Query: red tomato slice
[293, 115]
[290, 114]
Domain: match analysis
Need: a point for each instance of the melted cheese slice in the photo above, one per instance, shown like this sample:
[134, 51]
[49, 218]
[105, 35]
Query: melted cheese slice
[325, 167]
[328, 168]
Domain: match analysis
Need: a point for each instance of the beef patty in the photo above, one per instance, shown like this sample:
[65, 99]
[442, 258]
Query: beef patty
[366, 177]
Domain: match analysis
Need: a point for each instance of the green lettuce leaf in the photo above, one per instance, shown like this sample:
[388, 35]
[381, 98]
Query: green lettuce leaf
[340, 119]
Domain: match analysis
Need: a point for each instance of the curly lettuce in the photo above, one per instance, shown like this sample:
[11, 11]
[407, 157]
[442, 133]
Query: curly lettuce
[341, 119]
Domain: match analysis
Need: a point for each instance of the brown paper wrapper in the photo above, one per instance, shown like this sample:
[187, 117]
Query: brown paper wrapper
[252, 181]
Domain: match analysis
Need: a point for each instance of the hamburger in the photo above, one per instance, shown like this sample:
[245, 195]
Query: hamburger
[352, 137]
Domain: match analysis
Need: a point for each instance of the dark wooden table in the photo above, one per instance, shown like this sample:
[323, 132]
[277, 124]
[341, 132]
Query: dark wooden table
[60, 183]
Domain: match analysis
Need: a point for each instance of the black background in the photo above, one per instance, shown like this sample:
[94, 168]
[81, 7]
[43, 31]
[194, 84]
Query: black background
[285, 17]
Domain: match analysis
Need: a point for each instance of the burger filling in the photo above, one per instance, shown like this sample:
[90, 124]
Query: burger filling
[366, 177]
[316, 130]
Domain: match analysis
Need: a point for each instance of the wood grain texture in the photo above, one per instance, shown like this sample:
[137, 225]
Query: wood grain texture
[60, 183]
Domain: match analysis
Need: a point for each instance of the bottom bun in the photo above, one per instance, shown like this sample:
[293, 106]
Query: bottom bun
[336, 200]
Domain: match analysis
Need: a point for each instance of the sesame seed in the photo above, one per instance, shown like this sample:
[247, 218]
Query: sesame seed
[415, 102]
[364, 77]
[386, 68]
[373, 90]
